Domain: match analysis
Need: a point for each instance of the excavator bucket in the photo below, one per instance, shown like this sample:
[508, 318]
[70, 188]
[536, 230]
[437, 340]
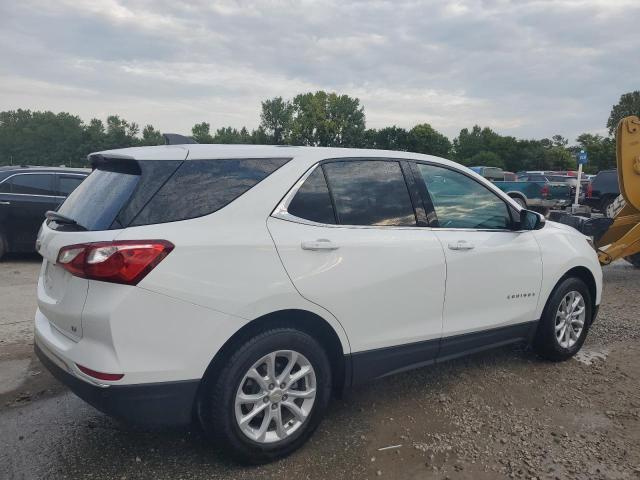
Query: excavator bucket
[622, 238]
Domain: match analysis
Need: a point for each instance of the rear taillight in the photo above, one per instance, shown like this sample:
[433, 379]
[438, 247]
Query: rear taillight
[125, 261]
[545, 191]
[589, 192]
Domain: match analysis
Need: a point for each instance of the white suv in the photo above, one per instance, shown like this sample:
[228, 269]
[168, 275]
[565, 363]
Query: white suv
[242, 285]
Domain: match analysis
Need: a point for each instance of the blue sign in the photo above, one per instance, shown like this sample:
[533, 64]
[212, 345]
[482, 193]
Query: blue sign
[582, 157]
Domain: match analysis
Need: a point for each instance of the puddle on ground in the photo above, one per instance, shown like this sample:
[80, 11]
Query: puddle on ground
[588, 355]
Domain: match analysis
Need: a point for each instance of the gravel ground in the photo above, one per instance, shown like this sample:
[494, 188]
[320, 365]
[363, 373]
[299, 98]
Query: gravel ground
[501, 414]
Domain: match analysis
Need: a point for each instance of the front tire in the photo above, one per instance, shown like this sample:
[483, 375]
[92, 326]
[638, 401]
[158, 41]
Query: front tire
[269, 396]
[565, 321]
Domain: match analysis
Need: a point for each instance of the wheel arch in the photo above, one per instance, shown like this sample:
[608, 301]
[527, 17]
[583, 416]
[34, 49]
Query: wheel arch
[303, 320]
[514, 194]
[584, 274]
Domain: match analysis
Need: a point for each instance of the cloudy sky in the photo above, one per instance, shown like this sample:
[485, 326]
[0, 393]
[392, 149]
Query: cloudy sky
[525, 68]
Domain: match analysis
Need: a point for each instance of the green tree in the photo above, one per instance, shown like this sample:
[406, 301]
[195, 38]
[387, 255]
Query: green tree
[424, 139]
[151, 136]
[601, 151]
[276, 119]
[558, 158]
[120, 133]
[629, 104]
[328, 120]
[387, 138]
[486, 159]
[201, 133]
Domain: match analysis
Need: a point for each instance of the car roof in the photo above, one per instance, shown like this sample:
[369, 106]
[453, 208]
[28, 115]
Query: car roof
[44, 169]
[230, 151]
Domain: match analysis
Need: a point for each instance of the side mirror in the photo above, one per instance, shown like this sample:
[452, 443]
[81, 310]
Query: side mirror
[530, 220]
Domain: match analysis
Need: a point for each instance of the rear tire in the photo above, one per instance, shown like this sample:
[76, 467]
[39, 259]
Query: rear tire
[565, 321]
[245, 384]
[634, 260]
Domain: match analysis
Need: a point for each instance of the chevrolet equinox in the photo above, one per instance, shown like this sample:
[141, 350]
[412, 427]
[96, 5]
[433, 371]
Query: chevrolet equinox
[240, 286]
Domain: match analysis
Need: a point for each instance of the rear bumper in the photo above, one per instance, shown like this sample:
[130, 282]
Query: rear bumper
[166, 403]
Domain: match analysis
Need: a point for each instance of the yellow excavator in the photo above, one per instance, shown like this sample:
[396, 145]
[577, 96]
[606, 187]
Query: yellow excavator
[619, 237]
[622, 238]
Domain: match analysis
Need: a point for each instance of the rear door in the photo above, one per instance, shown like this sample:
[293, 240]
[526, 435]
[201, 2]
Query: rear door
[494, 272]
[350, 242]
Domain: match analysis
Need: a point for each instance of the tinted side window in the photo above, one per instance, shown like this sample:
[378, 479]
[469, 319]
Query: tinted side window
[68, 184]
[370, 193]
[5, 187]
[200, 187]
[312, 201]
[32, 184]
[461, 202]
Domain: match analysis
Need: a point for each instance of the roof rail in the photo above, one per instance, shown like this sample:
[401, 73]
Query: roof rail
[176, 139]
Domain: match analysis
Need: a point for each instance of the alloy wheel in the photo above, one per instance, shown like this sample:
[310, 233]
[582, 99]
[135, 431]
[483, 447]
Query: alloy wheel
[275, 396]
[570, 319]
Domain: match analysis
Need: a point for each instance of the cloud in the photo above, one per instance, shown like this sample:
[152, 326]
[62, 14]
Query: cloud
[525, 68]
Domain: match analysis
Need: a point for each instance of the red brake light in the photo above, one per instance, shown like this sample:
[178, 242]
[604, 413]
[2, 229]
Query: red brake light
[125, 261]
[112, 377]
[545, 191]
[589, 192]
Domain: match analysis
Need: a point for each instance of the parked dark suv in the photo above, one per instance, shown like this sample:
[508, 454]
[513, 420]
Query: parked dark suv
[604, 190]
[26, 193]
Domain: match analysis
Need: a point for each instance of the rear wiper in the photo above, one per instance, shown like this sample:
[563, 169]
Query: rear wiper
[63, 219]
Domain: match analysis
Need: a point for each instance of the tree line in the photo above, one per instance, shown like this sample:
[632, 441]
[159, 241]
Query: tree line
[314, 119]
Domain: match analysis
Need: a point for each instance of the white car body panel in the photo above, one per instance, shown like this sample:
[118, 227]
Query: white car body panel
[372, 275]
[238, 264]
[495, 283]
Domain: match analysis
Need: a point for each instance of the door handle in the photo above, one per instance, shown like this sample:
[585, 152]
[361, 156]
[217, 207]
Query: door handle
[461, 245]
[320, 244]
[5, 203]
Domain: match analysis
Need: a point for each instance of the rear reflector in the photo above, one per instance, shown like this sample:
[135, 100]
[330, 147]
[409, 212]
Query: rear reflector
[125, 261]
[111, 377]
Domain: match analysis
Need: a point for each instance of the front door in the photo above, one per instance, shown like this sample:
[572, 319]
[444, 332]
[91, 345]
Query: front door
[494, 272]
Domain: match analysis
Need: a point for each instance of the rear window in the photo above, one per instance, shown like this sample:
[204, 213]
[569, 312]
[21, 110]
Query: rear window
[97, 200]
[201, 187]
[370, 193]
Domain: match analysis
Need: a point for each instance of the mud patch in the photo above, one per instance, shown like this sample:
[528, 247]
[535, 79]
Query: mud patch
[589, 355]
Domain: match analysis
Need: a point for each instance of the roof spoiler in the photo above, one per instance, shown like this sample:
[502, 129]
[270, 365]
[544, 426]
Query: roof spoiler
[114, 161]
[176, 139]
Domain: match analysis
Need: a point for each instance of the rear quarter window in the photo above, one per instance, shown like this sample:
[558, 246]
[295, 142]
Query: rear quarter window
[201, 187]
